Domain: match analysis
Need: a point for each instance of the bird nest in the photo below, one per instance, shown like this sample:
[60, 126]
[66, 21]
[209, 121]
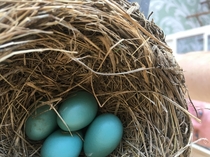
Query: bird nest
[51, 48]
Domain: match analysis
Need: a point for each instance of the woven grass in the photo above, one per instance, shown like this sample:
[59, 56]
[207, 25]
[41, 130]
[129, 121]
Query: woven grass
[50, 48]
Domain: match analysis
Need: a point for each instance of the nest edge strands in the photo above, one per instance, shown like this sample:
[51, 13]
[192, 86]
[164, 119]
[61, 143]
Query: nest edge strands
[50, 48]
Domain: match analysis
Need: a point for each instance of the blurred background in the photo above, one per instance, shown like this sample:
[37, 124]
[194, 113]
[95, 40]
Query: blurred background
[186, 23]
[179, 15]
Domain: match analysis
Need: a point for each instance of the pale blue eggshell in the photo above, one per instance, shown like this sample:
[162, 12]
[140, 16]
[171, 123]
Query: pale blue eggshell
[62, 144]
[103, 135]
[41, 123]
[77, 111]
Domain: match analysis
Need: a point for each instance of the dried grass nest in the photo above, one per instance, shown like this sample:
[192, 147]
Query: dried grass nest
[49, 48]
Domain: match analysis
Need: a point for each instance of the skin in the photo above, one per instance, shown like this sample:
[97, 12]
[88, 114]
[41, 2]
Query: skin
[196, 67]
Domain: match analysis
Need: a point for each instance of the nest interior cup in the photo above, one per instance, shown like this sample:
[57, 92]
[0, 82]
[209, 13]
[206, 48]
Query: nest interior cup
[107, 47]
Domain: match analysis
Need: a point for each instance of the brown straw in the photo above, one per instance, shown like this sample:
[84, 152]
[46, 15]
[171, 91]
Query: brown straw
[50, 48]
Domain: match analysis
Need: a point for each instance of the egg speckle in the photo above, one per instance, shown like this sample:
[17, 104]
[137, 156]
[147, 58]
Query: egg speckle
[40, 123]
[62, 144]
[103, 135]
[77, 111]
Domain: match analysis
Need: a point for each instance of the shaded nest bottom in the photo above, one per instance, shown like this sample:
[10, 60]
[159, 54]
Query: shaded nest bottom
[105, 47]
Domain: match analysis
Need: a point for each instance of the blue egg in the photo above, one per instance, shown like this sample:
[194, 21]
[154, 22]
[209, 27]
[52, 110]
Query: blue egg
[62, 144]
[41, 123]
[103, 135]
[77, 111]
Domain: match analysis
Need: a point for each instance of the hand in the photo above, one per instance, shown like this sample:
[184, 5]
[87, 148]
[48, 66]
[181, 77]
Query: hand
[201, 129]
